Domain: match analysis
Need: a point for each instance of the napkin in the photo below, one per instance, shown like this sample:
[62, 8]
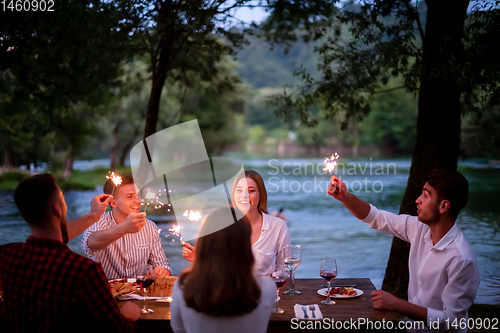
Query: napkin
[299, 314]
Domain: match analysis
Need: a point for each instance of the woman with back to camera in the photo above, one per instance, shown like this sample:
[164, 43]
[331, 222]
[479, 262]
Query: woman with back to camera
[219, 292]
[269, 233]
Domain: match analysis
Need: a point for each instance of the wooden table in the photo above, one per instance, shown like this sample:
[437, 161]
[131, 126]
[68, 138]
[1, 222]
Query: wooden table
[345, 311]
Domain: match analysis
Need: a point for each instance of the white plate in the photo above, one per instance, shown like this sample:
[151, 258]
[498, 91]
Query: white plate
[128, 280]
[323, 292]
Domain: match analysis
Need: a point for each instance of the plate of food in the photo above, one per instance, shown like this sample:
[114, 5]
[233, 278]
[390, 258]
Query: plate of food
[341, 292]
[120, 287]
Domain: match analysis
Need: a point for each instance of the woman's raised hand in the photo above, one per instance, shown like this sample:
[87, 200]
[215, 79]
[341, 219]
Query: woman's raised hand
[188, 251]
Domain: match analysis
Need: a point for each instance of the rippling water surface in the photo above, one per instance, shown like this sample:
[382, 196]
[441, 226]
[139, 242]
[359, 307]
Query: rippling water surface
[323, 226]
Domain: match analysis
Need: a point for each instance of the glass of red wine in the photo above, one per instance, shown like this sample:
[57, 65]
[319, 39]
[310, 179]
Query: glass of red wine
[145, 281]
[328, 271]
[280, 280]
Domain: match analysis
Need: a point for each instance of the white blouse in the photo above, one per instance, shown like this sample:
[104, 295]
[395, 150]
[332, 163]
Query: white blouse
[267, 250]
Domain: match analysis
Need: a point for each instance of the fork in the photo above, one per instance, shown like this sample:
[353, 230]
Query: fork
[305, 312]
[312, 308]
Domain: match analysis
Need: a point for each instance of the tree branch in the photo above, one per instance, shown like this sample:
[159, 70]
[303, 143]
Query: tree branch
[417, 18]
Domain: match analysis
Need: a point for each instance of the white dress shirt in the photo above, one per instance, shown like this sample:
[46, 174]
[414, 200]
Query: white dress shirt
[185, 319]
[274, 236]
[128, 256]
[444, 278]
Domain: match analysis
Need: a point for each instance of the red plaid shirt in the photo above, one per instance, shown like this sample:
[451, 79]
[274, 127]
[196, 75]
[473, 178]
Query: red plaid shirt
[49, 288]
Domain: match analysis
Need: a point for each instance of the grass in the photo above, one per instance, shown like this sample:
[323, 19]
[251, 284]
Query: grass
[9, 180]
[88, 180]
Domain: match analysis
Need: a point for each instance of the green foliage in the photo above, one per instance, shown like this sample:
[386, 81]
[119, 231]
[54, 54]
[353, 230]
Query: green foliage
[480, 136]
[361, 47]
[56, 70]
[215, 103]
[392, 122]
[9, 180]
[64, 58]
[259, 111]
[263, 66]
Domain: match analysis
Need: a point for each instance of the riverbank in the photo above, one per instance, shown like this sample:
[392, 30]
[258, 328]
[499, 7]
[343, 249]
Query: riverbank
[91, 177]
[79, 180]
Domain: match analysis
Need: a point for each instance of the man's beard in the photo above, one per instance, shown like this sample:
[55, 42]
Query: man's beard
[64, 231]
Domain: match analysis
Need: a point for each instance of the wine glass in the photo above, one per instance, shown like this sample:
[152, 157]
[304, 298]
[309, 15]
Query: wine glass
[328, 271]
[145, 281]
[280, 280]
[293, 256]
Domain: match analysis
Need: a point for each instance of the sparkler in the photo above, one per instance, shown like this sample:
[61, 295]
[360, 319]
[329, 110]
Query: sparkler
[117, 180]
[152, 197]
[192, 215]
[175, 230]
[330, 163]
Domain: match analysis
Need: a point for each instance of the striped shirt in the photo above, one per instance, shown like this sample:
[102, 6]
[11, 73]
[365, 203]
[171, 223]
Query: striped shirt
[128, 256]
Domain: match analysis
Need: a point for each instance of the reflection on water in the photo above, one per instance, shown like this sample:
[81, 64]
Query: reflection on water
[323, 226]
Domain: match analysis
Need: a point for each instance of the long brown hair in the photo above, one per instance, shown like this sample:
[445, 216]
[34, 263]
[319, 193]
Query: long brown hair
[221, 282]
[260, 186]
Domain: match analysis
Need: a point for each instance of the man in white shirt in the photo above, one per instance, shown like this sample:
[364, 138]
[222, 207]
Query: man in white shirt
[123, 240]
[444, 277]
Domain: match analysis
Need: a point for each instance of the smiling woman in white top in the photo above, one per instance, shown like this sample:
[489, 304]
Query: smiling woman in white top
[269, 233]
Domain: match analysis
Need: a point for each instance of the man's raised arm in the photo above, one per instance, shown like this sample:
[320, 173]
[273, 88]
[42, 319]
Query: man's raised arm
[99, 240]
[98, 206]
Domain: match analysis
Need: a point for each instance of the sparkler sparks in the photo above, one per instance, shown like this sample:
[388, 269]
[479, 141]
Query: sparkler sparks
[150, 198]
[192, 215]
[330, 163]
[175, 230]
[117, 180]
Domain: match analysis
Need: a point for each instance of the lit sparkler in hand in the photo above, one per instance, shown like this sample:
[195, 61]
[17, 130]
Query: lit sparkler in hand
[175, 230]
[330, 163]
[117, 180]
[152, 197]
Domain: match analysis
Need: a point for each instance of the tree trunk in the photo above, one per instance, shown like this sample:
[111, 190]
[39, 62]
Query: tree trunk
[128, 146]
[438, 124]
[69, 160]
[159, 77]
[8, 160]
[356, 143]
[116, 138]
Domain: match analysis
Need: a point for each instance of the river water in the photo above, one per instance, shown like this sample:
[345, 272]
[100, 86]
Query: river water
[322, 225]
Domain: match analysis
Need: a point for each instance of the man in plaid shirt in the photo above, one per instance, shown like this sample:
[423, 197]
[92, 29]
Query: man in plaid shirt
[46, 286]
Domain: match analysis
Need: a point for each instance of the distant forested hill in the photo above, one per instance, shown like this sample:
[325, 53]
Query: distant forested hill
[262, 67]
